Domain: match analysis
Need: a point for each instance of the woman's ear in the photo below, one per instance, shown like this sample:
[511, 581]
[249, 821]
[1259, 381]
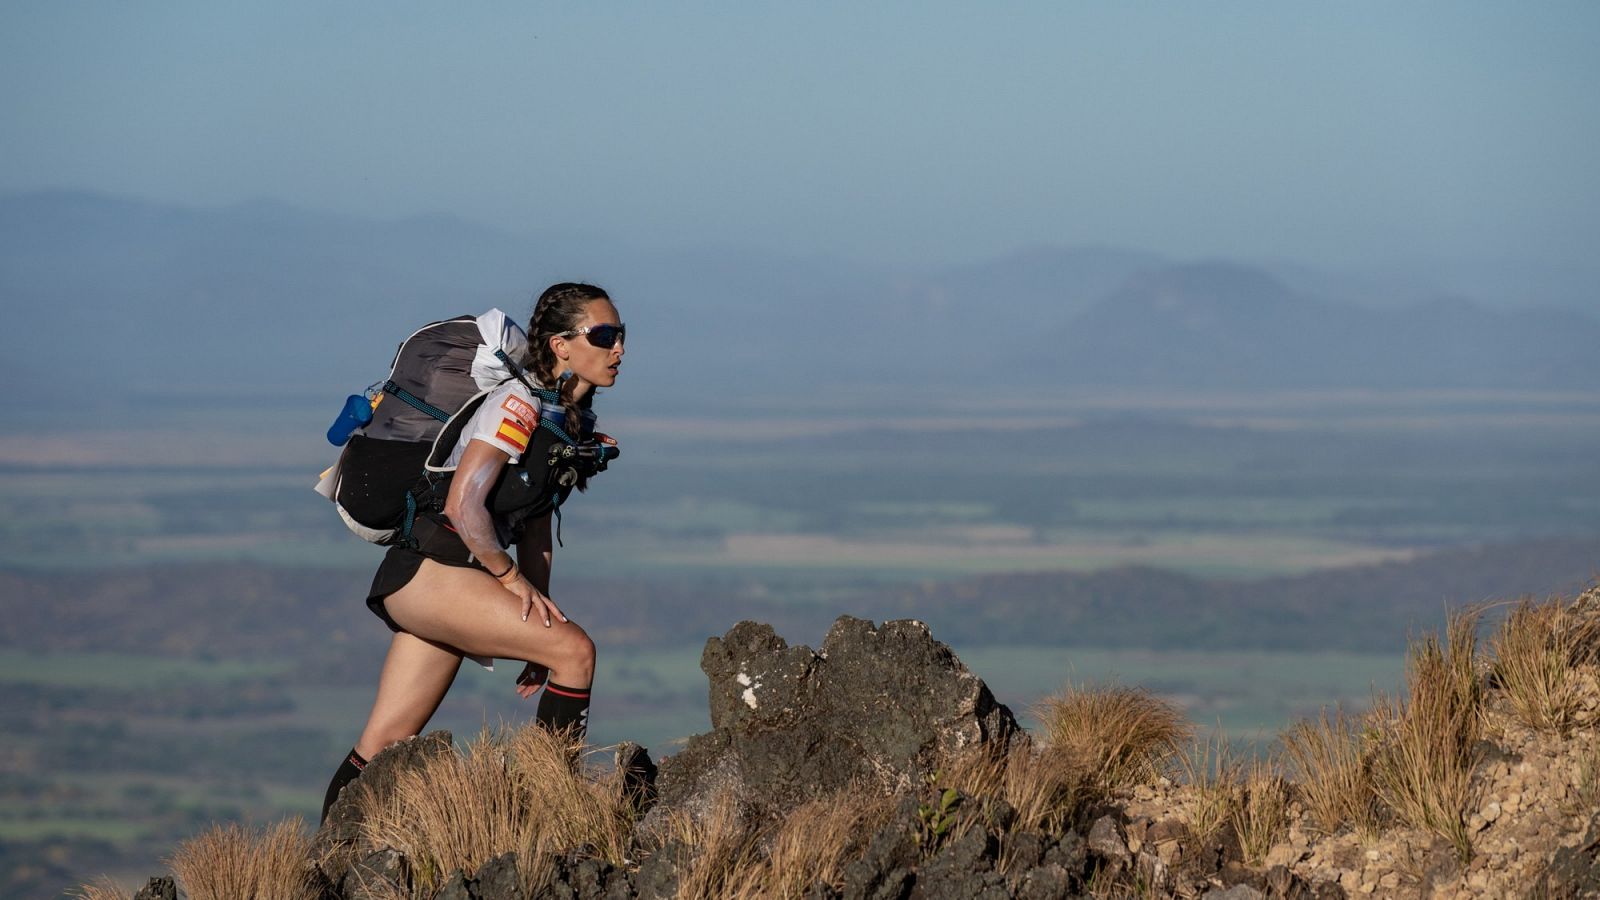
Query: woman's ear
[558, 346]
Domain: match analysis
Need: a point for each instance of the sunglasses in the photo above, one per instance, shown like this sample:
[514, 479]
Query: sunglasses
[603, 336]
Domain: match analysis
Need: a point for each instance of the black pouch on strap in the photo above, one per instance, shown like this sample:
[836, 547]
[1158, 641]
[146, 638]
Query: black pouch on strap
[375, 475]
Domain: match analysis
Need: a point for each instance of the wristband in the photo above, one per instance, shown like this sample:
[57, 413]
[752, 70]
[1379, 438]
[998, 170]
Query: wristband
[506, 572]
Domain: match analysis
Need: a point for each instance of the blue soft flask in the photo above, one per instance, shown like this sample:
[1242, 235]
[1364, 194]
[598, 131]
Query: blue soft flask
[357, 413]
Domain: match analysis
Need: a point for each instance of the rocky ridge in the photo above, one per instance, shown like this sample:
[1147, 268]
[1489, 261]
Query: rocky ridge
[874, 718]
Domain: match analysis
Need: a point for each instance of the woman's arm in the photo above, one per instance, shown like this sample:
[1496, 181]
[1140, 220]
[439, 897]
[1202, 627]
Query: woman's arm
[535, 551]
[467, 508]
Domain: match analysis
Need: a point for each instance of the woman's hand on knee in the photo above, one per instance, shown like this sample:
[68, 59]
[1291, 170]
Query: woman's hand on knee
[533, 677]
[533, 600]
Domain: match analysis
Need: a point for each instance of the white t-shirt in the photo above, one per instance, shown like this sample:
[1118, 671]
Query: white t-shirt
[506, 421]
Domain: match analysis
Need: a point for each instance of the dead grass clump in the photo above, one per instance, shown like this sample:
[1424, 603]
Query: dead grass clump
[1534, 651]
[102, 888]
[1121, 734]
[1262, 814]
[812, 843]
[1216, 785]
[1335, 780]
[227, 862]
[521, 792]
[1422, 768]
[1049, 789]
[573, 810]
[714, 850]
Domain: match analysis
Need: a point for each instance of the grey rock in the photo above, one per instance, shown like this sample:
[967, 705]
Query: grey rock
[163, 888]
[639, 775]
[498, 879]
[454, 888]
[1574, 871]
[874, 704]
[376, 876]
[892, 885]
[970, 852]
[968, 886]
[1046, 882]
[557, 888]
[619, 886]
[335, 842]
[659, 874]
[1027, 849]
[1106, 841]
[1070, 852]
[589, 878]
[884, 871]
[962, 869]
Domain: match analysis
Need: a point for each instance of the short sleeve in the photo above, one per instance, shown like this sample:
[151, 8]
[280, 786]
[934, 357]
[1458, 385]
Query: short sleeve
[506, 422]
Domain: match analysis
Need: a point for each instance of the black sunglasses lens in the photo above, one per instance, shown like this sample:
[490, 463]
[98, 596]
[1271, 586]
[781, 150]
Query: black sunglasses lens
[606, 336]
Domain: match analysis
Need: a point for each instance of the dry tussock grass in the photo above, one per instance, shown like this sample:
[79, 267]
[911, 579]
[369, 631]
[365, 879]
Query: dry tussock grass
[574, 810]
[227, 862]
[1422, 768]
[812, 843]
[1262, 814]
[722, 855]
[1121, 734]
[1534, 651]
[1050, 789]
[1216, 785]
[714, 850]
[102, 888]
[518, 792]
[1335, 778]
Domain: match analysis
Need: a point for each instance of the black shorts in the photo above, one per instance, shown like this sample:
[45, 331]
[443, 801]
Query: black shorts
[400, 564]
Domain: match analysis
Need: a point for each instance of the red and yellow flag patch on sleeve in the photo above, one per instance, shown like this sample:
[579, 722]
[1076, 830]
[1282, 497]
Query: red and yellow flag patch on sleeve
[514, 435]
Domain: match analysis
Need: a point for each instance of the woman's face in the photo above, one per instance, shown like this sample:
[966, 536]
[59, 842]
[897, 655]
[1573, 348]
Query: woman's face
[596, 365]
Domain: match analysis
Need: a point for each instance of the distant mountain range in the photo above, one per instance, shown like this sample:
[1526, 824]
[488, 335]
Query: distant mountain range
[123, 298]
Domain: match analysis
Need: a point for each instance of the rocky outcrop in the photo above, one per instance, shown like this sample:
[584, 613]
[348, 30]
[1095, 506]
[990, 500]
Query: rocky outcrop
[873, 705]
[336, 842]
[877, 710]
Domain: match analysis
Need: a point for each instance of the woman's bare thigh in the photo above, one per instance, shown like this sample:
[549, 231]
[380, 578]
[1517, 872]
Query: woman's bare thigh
[468, 610]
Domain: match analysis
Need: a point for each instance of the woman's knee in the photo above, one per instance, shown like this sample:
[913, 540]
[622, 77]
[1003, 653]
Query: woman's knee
[573, 657]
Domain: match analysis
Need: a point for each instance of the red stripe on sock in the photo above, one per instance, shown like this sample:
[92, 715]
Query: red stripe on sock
[578, 693]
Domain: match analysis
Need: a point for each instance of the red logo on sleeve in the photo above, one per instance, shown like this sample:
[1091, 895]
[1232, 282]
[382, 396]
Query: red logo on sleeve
[521, 409]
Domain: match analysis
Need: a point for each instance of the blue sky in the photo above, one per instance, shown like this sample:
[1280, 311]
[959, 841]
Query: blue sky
[910, 133]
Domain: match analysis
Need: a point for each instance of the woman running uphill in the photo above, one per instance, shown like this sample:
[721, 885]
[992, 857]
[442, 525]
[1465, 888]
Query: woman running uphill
[460, 592]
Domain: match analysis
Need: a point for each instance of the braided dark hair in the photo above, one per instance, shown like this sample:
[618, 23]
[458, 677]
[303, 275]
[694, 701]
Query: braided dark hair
[558, 310]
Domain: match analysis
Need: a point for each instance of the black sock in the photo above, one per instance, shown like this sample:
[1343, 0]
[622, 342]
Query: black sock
[348, 770]
[565, 709]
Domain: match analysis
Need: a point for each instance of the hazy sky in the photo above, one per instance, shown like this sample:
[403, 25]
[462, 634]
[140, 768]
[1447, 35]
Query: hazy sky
[901, 132]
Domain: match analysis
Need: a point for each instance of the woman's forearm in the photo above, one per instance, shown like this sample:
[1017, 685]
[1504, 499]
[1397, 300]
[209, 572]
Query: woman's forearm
[535, 552]
[466, 505]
